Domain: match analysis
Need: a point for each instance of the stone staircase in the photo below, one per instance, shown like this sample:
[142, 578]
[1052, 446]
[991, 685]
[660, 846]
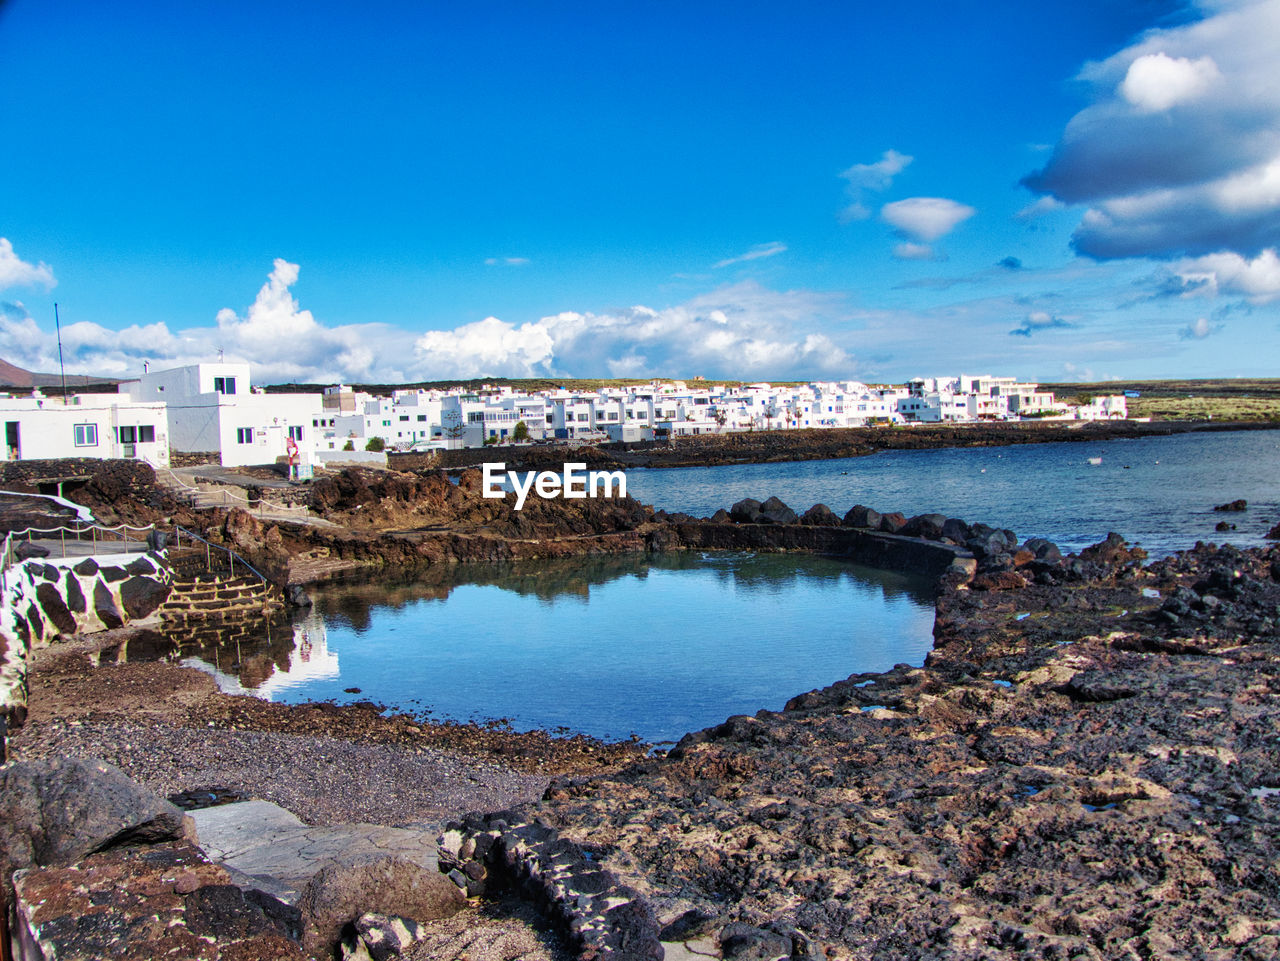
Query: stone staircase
[201, 595]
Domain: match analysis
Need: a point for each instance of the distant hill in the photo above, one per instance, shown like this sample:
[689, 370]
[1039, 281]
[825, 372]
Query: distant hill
[13, 376]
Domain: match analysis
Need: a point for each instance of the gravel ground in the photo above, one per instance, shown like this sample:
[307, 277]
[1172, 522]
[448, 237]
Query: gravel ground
[323, 780]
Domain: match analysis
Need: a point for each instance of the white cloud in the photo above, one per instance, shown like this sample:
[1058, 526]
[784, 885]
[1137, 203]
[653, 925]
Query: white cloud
[506, 261]
[486, 348]
[1199, 329]
[1229, 273]
[1039, 320]
[925, 219]
[757, 252]
[1179, 153]
[871, 177]
[739, 330]
[15, 272]
[1157, 81]
[1040, 207]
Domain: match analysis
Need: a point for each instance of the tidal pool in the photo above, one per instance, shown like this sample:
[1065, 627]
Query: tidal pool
[606, 646]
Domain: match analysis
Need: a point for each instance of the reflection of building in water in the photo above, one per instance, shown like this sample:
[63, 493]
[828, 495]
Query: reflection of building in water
[310, 660]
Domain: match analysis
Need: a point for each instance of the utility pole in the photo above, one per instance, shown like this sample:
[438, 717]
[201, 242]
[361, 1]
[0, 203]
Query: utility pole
[58, 326]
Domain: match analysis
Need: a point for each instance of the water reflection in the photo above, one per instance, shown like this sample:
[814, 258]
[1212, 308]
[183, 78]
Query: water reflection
[351, 602]
[307, 660]
[608, 645]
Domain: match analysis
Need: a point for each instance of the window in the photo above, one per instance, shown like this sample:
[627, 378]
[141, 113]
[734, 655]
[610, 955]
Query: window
[224, 385]
[296, 432]
[147, 434]
[127, 435]
[86, 435]
[244, 435]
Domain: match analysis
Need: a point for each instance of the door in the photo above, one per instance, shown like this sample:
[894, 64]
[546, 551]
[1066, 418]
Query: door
[12, 447]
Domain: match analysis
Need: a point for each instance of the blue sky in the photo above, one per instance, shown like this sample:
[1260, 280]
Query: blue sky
[397, 191]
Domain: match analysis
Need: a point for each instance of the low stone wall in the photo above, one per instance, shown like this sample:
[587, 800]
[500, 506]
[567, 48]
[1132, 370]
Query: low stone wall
[42, 600]
[602, 918]
[873, 548]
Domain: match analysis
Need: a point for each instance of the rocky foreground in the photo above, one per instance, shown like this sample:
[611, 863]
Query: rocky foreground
[1086, 767]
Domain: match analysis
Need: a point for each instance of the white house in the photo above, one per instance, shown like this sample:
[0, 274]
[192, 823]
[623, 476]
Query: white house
[214, 407]
[85, 425]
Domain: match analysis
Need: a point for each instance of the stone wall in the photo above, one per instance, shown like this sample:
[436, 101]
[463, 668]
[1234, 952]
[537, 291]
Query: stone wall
[873, 548]
[42, 600]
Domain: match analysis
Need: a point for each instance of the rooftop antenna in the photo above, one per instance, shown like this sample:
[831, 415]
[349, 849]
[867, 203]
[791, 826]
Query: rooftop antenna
[219, 355]
[57, 323]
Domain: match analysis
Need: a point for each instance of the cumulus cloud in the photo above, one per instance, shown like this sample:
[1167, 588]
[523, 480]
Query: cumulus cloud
[1229, 273]
[925, 219]
[15, 272]
[758, 252]
[871, 177]
[739, 330]
[1157, 81]
[281, 341]
[1199, 329]
[1039, 320]
[1178, 155]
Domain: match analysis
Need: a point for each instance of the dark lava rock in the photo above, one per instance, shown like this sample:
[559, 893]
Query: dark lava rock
[893, 523]
[87, 567]
[26, 550]
[105, 607]
[55, 608]
[140, 568]
[774, 511]
[75, 596]
[860, 516]
[1223, 526]
[820, 515]
[928, 526]
[1274, 533]
[1237, 505]
[721, 516]
[955, 530]
[57, 811]
[746, 511]
[739, 940]
[142, 595]
[1044, 550]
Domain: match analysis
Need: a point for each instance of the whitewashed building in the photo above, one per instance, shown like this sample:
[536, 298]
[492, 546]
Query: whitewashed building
[85, 425]
[214, 407]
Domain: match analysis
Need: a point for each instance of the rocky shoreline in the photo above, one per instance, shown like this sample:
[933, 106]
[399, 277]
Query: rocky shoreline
[1084, 767]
